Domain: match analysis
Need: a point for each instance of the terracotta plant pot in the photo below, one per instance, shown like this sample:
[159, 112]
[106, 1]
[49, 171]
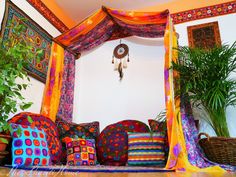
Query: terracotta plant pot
[2, 144]
[3, 156]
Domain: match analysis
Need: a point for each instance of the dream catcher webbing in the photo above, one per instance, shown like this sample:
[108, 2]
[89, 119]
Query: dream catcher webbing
[119, 58]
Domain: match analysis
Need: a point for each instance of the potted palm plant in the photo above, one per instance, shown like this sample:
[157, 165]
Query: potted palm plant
[15, 53]
[205, 76]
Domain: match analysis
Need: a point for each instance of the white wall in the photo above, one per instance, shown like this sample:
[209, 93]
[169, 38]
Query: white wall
[227, 25]
[35, 91]
[99, 94]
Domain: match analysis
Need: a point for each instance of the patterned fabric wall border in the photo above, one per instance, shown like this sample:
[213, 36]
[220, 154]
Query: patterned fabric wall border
[179, 17]
[204, 12]
[48, 14]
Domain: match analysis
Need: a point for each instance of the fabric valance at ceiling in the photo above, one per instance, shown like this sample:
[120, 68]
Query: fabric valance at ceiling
[108, 24]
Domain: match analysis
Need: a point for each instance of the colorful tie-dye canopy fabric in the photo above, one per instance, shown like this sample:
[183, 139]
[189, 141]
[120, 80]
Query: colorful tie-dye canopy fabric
[108, 24]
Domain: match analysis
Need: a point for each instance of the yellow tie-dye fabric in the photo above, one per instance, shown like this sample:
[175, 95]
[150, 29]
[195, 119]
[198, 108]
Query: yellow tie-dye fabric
[178, 155]
[52, 90]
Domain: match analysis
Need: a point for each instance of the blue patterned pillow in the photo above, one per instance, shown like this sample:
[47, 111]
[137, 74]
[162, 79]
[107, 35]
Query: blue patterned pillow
[29, 146]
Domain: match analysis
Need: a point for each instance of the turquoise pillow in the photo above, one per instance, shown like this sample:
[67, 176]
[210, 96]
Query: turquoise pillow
[29, 146]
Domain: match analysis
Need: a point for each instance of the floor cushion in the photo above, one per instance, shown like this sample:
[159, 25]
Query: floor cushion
[80, 152]
[88, 130]
[160, 127]
[49, 128]
[157, 126]
[72, 130]
[112, 144]
[146, 149]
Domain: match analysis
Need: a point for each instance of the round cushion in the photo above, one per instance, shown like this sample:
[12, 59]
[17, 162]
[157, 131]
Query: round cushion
[48, 126]
[112, 144]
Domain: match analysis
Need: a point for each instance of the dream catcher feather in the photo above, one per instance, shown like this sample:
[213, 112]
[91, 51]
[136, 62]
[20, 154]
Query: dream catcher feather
[120, 58]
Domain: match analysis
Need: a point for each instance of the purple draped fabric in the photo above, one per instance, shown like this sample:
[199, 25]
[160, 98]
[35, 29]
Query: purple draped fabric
[101, 33]
[195, 155]
[107, 30]
[147, 30]
[65, 110]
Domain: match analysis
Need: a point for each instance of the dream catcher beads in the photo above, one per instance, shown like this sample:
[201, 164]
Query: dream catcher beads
[119, 58]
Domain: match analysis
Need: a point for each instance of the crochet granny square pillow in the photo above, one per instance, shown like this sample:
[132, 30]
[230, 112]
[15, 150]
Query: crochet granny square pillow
[48, 126]
[80, 152]
[29, 146]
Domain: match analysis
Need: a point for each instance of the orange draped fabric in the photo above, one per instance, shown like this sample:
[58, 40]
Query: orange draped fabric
[83, 28]
[52, 90]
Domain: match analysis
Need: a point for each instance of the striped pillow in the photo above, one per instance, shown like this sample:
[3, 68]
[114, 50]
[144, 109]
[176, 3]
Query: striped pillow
[146, 149]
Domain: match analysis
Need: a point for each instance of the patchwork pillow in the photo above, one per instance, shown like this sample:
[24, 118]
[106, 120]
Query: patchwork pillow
[146, 149]
[112, 145]
[80, 152]
[73, 130]
[50, 129]
[29, 146]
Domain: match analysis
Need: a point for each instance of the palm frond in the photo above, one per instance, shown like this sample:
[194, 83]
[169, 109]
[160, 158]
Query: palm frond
[205, 76]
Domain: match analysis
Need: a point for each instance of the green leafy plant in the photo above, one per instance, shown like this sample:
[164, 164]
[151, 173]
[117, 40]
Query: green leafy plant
[15, 54]
[205, 76]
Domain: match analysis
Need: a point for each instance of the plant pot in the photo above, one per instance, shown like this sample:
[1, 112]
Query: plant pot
[219, 149]
[3, 156]
[2, 144]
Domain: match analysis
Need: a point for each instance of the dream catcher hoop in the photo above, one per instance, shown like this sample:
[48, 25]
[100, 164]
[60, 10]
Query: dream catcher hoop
[119, 58]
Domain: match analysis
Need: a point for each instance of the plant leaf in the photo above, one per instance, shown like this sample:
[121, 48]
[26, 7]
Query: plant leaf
[4, 140]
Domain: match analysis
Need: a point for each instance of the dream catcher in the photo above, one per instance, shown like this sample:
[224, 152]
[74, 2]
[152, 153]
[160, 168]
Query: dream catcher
[119, 58]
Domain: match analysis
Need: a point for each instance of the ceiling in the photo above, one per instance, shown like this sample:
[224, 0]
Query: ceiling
[78, 10]
[73, 11]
